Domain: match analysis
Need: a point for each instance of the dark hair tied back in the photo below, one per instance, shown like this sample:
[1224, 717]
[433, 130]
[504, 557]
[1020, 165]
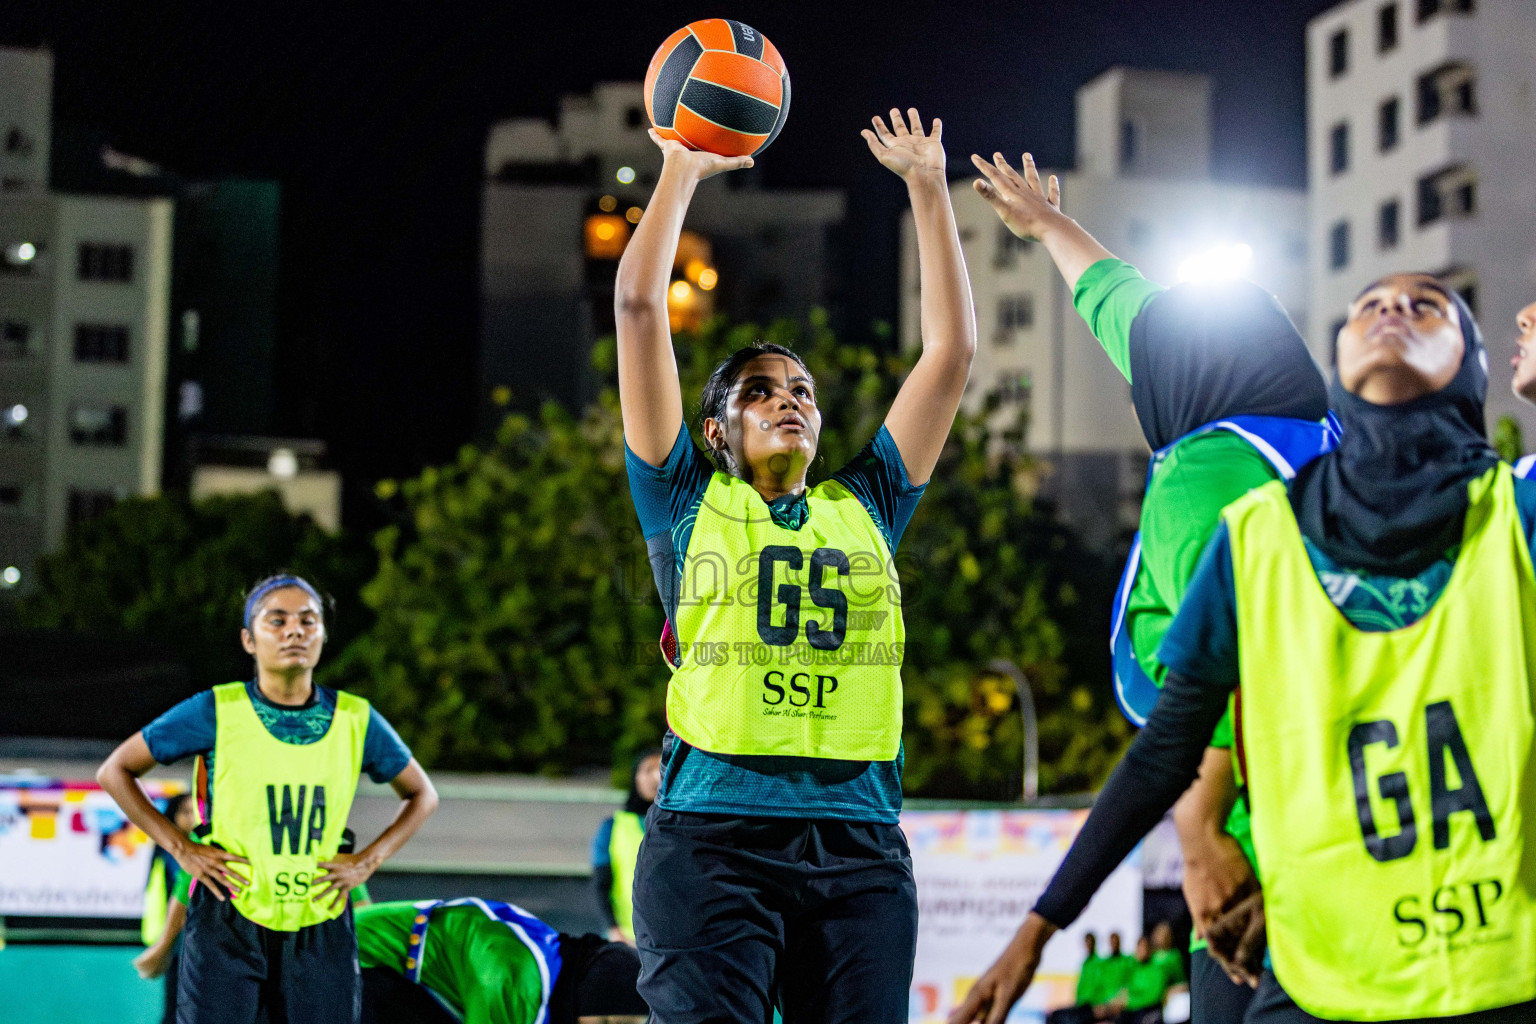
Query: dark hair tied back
[717, 392]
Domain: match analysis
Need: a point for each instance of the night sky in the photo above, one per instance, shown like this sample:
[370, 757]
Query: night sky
[373, 117]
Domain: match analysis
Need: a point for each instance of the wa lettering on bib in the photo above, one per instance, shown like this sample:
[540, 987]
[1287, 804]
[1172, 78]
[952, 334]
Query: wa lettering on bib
[790, 640]
[1391, 774]
[283, 805]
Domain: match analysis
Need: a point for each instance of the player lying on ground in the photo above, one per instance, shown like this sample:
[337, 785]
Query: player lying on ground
[268, 928]
[773, 858]
[485, 962]
[1378, 622]
[1228, 398]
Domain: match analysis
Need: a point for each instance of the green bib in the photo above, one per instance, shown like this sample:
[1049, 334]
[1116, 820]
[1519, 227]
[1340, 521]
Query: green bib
[283, 805]
[790, 640]
[1390, 775]
[623, 852]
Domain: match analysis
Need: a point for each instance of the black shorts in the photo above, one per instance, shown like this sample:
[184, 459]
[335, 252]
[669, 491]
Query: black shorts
[1271, 1005]
[735, 914]
[234, 971]
[1214, 998]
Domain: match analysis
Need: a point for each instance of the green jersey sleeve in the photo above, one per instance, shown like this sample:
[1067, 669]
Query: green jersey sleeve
[384, 934]
[1109, 296]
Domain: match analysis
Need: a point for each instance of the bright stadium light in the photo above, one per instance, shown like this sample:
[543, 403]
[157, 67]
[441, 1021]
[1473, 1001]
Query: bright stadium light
[283, 464]
[625, 175]
[1218, 263]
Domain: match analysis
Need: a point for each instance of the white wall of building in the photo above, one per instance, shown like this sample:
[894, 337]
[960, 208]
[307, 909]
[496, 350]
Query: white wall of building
[1495, 246]
[26, 118]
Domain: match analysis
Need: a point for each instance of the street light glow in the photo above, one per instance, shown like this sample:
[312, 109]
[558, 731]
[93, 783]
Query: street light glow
[708, 278]
[625, 175]
[10, 577]
[681, 291]
[283, 464]
[1218, 263]
[25, 251]
[16, 415]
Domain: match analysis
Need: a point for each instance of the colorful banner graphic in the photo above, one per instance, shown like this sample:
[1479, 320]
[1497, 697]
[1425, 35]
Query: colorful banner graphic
[978, 874]
[67, 851]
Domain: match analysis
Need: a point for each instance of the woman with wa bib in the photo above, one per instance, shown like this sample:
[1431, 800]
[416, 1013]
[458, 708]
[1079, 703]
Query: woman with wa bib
[1378, 623]
[772, 868]
[269, 932]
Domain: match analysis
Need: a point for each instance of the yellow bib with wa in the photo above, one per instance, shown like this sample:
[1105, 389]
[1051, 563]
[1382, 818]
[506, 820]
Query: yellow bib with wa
[1391, 774]
[790, 640]
[283, 805]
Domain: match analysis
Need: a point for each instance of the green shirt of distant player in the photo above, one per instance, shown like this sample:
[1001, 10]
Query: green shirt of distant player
[476, 965]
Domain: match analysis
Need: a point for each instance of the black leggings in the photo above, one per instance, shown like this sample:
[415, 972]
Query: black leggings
[1271, 1005]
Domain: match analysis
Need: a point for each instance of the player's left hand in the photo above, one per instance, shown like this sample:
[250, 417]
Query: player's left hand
[343, 873]
[1238, 939]
[905, 148]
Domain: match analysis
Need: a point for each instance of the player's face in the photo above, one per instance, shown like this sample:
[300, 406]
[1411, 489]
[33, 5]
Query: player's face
[648, 777]
[1402, 341]
[1524, 361]
[772, 421]
[287, 632]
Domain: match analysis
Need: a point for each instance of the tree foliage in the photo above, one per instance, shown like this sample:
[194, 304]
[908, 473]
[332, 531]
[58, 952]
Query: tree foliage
[516, 618]
[176, 571]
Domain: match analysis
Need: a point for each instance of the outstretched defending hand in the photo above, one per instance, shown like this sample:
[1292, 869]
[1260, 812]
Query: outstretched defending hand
[904, 148]
[696, 163]
[1028, 209]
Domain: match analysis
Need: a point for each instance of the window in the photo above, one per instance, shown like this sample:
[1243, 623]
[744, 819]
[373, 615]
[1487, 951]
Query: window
[1338, 148]
[1389, 224]
[101, 262]
[1009, 246]
[1130, 143]
[1015, 312]
[1451, 192]
[1013, 387]
[10, 497]
[1338, 245]
[1338, 53]
[1429, 8]
[1296, 247]
[14, 335]
[1462, 281]
[1333, 340]
[98, 425]
[1140, 233]
[87, 505]
[1386, 29]
[634, 117]
[1388, 125]
[101, 343]
[1449, 90]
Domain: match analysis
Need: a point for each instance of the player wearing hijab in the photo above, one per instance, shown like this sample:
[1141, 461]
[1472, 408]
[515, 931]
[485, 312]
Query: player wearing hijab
[1228, 398]
[772, 863]
[1378, 622]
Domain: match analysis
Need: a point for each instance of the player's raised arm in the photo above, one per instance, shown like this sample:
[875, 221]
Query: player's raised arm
[1032, 209]
[649, 395]
[924, 409]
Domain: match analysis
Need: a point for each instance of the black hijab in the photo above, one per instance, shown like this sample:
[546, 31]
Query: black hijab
[1201, 352]
[1392, 498]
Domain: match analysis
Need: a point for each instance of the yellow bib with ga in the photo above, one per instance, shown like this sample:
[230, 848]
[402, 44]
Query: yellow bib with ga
[283, 805]
[1391, 774]
[623, 854]
[790, 640]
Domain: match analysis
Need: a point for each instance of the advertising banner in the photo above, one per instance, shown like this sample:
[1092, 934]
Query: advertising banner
[978, 874]
[67, 851]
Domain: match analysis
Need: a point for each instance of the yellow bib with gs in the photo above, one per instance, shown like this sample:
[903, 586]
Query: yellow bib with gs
[790, 640]
[1391, 774]
[283, 805]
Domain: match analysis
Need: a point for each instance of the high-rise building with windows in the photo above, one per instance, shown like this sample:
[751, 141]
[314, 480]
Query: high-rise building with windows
[1142, 186]
[1436, 102]
[85, 287]
[561, 200]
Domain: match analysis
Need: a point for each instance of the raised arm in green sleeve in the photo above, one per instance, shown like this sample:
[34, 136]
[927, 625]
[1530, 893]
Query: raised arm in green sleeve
[1108, 297]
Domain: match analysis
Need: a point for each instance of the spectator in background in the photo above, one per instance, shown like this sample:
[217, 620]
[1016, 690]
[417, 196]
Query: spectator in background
[1165, 955]
[1145, 988]
[163, 913]
[1093, 995]
[1117, 967]
[616, 846]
